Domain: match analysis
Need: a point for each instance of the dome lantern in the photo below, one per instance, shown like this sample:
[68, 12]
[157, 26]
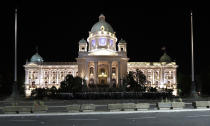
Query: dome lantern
[101, 17]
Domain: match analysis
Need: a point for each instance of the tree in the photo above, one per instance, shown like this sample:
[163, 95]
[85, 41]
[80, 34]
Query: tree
[52, 91]
[71, 84]
[39, 93]
[77, 84]
[134, 81]
[184, 84]
[205, 81]
[66, 85]
[140, 77]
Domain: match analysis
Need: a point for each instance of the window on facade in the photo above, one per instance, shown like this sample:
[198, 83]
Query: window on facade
[102, 70]
[102, 41]
[33, 84]
[113, 70]
[62, 74]
[168, 75]
[111, 42]
[91, 70]
[93, 42]
[171, 75]
[156, 75]
[54, 75]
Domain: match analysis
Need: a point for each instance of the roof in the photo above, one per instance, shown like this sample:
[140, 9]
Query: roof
[102, 25]
[165, 58]
[82, 41]
[36, 58]
[122, 41]
[59, 63]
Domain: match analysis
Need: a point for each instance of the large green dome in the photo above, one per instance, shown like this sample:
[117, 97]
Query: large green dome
[106, 26]
[36, 58]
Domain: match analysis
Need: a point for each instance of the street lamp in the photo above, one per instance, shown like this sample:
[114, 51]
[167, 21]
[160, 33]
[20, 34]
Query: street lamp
[193, 88]
[14, 94]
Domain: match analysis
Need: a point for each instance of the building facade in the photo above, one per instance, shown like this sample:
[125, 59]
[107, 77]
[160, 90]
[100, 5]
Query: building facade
[102, 60]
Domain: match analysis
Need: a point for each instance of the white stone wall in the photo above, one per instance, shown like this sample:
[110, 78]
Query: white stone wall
[46, 76]
[158, 74]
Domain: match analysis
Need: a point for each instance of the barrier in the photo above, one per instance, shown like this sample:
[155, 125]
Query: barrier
[164, 105]
[128, 107]
[88, 107]
[39, 109]
[16, 109]
[73, 108]
[177, 105]
[201, 104]
[142, 106]
[114, 107]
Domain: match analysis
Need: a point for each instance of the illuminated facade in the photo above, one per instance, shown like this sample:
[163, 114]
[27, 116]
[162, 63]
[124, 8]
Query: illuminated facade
[102, 60]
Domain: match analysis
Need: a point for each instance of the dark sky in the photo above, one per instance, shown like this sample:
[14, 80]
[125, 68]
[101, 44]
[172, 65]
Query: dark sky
[57, 27]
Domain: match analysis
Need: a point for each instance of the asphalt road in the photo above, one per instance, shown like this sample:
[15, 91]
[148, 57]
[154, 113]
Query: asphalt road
[199, 118]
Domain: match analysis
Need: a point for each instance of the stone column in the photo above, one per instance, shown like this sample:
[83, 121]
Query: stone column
[86, 76]
[57, 77]
[110, 72]
[119, 72]
[27, 77]
[161, 76]
[96, 71]
[174, 76]
[153, 76]
[49, 75]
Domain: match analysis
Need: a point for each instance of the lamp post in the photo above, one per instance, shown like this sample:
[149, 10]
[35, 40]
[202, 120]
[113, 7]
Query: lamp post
[14, 94]
[193, 88]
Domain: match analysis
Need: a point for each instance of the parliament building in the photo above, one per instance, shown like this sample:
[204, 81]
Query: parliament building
[102, 59]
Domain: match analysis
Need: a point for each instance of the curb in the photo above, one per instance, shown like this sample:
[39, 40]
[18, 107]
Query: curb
[104, 113]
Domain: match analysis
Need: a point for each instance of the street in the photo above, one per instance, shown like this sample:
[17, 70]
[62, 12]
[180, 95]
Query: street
[196, 118]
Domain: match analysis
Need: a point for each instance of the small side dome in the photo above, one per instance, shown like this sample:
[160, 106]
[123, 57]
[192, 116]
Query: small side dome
[82, 41]
[36, 58]
[122, 41]
[165, 58]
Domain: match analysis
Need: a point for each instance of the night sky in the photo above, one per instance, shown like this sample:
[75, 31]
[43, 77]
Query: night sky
[56, 29]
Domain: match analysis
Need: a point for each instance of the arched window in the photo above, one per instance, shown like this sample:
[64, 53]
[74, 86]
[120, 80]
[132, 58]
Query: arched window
[102, 70]
[91, 70]
[113, 70]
